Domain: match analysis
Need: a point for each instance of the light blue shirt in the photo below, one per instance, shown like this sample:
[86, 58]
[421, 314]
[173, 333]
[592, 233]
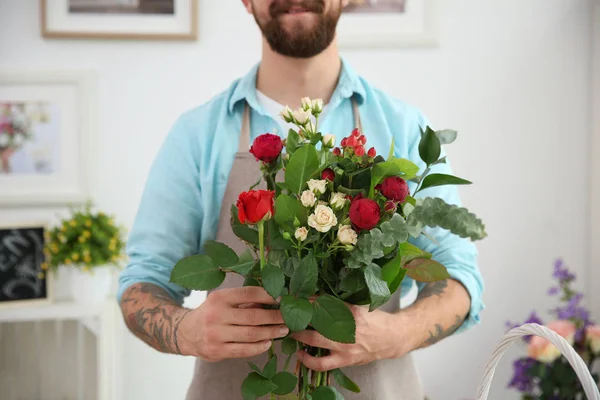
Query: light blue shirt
[179, 208]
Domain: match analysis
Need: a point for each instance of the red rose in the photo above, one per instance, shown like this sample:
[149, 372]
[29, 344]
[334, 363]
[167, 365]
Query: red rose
[394, 188]
[364, 213]
[328, 174]
[266, 147]
[390, 206]
[359, 151]
[254, 205]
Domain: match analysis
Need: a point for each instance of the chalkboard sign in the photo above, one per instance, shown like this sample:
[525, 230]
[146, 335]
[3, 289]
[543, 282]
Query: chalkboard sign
[22, 279]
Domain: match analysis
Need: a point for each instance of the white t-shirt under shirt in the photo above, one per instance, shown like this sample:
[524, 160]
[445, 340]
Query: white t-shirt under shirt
[274, 109]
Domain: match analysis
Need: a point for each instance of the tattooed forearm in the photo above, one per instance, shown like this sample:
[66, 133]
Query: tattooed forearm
[433, 289]
[442, 333]
[153, 316]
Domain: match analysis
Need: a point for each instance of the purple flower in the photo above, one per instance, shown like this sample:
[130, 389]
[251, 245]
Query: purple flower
[521, 380]
[561, 272]
[553, 291]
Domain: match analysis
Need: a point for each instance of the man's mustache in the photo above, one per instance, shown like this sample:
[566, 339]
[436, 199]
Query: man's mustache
[281, 7]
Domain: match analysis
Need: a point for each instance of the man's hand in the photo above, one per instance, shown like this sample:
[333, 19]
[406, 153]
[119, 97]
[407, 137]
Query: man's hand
[378, 336]
[230, 323]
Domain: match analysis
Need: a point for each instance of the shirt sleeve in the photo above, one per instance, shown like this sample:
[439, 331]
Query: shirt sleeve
[458, 255]
[168, 221]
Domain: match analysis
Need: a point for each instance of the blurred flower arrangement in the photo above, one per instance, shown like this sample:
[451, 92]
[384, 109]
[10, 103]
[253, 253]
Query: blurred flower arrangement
[544, 373]
[86, 239]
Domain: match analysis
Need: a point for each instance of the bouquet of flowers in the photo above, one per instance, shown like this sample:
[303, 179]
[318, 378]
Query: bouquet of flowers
[15, 126]
[334, 231]
[543, 373]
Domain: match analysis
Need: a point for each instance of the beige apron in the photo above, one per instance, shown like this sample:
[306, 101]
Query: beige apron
[395, 379]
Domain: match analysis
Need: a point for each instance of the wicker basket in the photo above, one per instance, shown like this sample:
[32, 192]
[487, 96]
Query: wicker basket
[589, 386]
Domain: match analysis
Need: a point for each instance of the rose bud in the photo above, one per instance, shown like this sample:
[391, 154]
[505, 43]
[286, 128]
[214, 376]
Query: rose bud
[346, 235]
[317, 106]
[364, 213]
[287, 114]
[329, 140]
[301, 117]
[301, 234]
[337, 151]
[372, 153]
[351, 142]
[306, 103]
[359, 151]
[355, 132]
[266, 147]
[394, 188]
[362, 140]
[542, 350]
[390, 206]
[344, 142]
[255, 206]
[328, 174]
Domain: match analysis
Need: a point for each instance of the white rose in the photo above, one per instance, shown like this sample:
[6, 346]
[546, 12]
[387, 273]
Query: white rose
[4, 140]
[322, 203]
[317, 106]
[306, 103]
[287, 114]
[311, 128]
[301, 116]
[347, 235]
[329, 140]
[337, 200]
[323, 219]
[317, 185]
[301, 234]
[308, 198]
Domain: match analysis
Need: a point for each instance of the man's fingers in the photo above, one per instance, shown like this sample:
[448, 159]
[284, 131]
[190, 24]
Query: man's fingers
[243, 350]
[243, 295]
[253, 334]
[315, 339]
[326, 363]
[253, 316]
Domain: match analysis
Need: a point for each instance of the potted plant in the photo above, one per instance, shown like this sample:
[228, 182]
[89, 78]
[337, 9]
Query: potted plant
[88, 246]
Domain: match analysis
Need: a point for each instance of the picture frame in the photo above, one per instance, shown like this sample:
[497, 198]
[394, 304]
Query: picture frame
[120, 19]
[23, 280]
[415, 25]
[49, 120]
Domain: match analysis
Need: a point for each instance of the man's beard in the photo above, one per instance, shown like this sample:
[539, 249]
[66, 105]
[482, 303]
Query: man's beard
[301, 44]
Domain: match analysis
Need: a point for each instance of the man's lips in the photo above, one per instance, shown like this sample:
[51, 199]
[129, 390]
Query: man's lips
[296, 10]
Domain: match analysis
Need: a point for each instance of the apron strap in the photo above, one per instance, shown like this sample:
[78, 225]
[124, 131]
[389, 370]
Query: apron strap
[357, 122]
[244, 144]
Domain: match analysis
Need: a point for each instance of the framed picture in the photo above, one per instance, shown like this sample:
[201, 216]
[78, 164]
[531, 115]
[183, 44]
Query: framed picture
[45, 129]
[24, 279]
[389, 23]
[120, 19]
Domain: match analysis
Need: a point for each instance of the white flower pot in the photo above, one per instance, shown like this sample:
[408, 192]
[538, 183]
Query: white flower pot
[91, 287]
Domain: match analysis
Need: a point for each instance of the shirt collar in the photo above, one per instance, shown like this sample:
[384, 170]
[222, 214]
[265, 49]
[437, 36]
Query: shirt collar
[348, 85]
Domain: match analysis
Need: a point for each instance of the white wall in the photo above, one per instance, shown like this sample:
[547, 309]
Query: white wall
[511, 76]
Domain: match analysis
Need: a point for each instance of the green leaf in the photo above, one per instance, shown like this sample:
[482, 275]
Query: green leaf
[446, 136]
[250, 281]
[297, 313]
[435, 212]
[353, 280]
[221, 254]
[427, 270]
[398, 281]
[291, 143]
[197, 272]
[286, 209]
[440, 180]
[429, 146]
[304, 280]
[327, 393]
[289, 345]
[273, 280]
[333, 319]
[344, 381]
[408, 168]
[378, 288]
[289, 266]
[255, 367]
[255, 386]
[391, 269]
[285, 381]
[243, 231]
[245, 264]
[303, 164]
[394, 167]
[391, 152]
[409, 252]
[270, 367]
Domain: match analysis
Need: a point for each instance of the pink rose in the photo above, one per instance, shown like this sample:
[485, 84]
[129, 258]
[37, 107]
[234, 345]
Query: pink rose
[542, 350]
[592, 338]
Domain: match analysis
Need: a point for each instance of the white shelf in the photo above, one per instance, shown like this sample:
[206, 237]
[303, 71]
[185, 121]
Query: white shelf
[63, 310]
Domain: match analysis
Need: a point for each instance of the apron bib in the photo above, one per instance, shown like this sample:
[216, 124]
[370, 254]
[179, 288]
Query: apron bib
[391, 379]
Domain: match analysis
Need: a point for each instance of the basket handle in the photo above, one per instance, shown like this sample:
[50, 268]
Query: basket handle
[589, 386]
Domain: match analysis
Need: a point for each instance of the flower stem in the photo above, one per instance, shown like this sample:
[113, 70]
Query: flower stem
[261, 243]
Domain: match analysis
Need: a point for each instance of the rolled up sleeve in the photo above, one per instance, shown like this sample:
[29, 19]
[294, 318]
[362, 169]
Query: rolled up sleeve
[168, 221]
[458, 255]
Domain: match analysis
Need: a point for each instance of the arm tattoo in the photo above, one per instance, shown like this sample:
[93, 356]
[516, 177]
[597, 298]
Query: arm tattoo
[433, 289]
[441, 333]
[153, 316]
